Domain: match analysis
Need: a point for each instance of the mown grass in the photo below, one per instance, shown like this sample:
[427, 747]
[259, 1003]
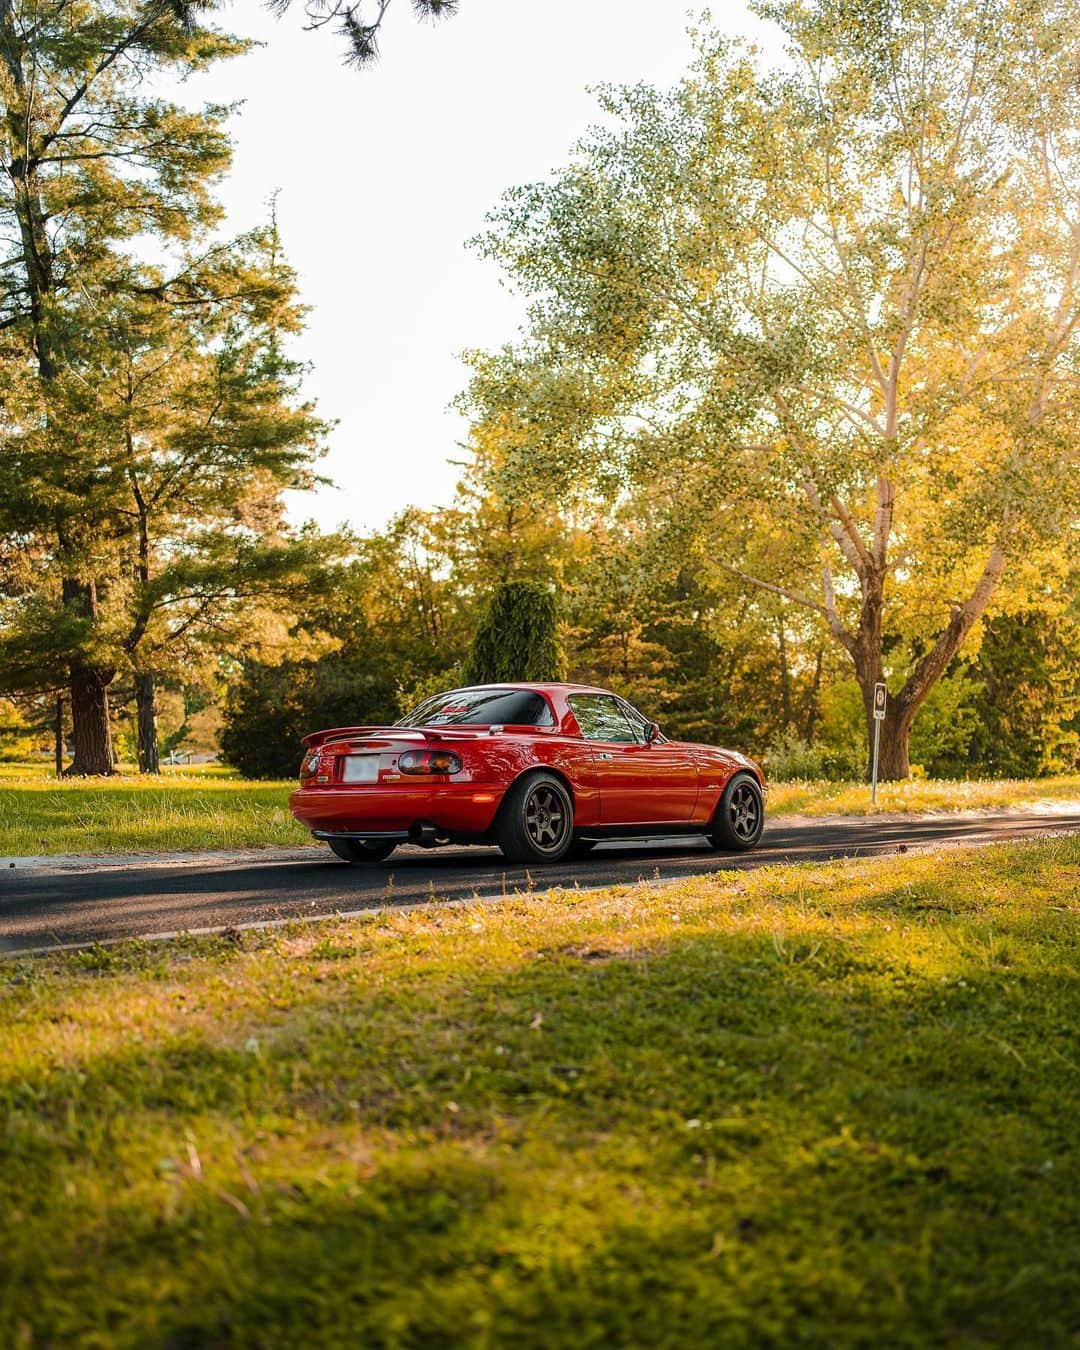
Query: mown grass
[208, 807]
[827, 1106]
[211, 807]
[925, 794]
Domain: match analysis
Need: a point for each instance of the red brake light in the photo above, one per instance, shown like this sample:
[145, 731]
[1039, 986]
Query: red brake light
[429, 761]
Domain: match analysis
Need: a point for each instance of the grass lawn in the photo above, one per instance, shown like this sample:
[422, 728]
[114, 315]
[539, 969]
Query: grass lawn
[211, 807]
[827, 1106]
[184, 809]
[921, 794]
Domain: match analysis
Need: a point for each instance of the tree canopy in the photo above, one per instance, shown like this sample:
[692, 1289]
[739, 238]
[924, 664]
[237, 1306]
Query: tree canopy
[828, 314]
[151, 418]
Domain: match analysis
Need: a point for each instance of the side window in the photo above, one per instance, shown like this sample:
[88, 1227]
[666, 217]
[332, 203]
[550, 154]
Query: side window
[601, 719]
[637, 720]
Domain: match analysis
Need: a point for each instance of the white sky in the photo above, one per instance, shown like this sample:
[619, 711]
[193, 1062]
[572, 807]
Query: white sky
[383, 174]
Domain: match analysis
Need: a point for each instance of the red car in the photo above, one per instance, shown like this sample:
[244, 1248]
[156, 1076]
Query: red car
[542, 770]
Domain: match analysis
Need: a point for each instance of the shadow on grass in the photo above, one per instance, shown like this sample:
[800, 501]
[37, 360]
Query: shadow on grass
[737, 1138]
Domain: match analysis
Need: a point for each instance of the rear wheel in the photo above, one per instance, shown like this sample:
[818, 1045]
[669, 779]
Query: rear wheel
[362, 850]
[740, 817]
[536, 823]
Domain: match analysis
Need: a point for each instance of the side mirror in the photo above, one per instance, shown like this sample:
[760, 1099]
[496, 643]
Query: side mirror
[651, 733]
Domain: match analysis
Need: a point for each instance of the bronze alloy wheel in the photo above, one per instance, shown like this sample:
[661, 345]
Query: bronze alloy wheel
[744, 811]
[546, 818]
[536, 821]
[740, 815]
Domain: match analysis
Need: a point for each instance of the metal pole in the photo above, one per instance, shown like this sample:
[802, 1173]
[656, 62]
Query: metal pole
[877, 744]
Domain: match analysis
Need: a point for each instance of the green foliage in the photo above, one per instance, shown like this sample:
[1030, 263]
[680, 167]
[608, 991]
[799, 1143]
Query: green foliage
[942, 738]
[789, 758]
[152, 417]
[826, 1106]
[1026, 695]
[517, 638]
[761, 307]
[18, 735]
[271, 708]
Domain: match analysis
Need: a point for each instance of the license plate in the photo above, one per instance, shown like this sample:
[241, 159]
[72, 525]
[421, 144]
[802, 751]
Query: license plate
[360, 769]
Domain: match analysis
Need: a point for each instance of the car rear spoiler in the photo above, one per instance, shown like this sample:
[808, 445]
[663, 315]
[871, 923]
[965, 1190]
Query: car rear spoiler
[317, 738]
[468, 732]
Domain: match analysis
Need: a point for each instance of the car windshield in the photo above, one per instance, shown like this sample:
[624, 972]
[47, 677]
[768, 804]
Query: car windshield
[481, 707]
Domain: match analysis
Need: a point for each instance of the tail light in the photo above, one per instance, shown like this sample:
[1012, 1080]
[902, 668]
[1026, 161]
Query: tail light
[309, 765]
[429, 761]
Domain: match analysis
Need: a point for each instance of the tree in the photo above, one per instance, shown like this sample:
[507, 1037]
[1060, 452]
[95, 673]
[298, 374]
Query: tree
[92, 161]
[834, 305]
[360, 23]
[1026, 694]
[148, 455]
[517, 638]
[202, 401]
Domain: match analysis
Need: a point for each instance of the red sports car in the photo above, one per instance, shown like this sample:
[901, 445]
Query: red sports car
[542, 770]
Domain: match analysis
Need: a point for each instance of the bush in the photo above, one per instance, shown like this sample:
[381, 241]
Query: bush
[517, 638]
[789, 758]
[271, 708]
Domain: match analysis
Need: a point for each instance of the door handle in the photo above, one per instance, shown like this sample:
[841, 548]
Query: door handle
[603, 755]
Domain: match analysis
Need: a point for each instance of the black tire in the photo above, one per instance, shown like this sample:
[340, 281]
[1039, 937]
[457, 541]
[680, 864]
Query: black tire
[536, 820]
[740, 818]
[362, 850]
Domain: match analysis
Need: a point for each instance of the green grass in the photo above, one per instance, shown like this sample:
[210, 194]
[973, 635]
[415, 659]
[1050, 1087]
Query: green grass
[185, 809]
[922, 794]
[827, 1106]
[211, 807]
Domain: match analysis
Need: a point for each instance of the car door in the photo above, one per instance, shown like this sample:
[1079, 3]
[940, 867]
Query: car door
[639, 783]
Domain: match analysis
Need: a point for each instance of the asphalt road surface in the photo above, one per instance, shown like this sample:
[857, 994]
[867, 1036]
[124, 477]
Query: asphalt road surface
[42, 908]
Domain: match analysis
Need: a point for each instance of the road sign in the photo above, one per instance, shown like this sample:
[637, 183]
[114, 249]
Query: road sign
[880, 699]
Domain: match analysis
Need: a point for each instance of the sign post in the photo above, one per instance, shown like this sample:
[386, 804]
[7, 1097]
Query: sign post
[880, 697]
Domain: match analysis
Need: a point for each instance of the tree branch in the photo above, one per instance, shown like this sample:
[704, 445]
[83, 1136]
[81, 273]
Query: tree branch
[949, 641]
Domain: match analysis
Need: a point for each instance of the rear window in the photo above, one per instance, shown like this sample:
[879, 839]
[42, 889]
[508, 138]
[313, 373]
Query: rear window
[482, 707]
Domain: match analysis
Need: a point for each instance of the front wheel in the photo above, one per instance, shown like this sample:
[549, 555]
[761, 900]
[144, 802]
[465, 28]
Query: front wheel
[362, 850]
[536, 822]
[740, 817]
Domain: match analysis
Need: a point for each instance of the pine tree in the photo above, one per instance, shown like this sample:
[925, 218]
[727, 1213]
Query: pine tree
[203, 396]
[517, 638]
[93, 161]
[359, 23]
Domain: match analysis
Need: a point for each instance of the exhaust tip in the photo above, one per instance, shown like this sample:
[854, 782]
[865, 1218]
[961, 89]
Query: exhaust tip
[426, 835]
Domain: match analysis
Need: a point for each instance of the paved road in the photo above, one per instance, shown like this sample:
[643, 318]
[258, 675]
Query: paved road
[41, 908]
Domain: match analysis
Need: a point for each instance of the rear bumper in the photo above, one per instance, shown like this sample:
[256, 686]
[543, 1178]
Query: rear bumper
[458, 808]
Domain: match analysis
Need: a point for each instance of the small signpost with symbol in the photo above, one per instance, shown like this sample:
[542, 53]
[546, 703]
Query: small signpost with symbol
[880, 697]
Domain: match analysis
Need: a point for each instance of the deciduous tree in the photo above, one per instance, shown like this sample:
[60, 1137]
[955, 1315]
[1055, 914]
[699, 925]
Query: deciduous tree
[835, 303]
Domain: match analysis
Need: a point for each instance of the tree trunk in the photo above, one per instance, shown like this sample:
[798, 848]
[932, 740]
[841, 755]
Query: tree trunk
[146, 715]
[58, 736]
[92, 735]
[901, 709]
[785, 678]
[812, 701]
[893, 760]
